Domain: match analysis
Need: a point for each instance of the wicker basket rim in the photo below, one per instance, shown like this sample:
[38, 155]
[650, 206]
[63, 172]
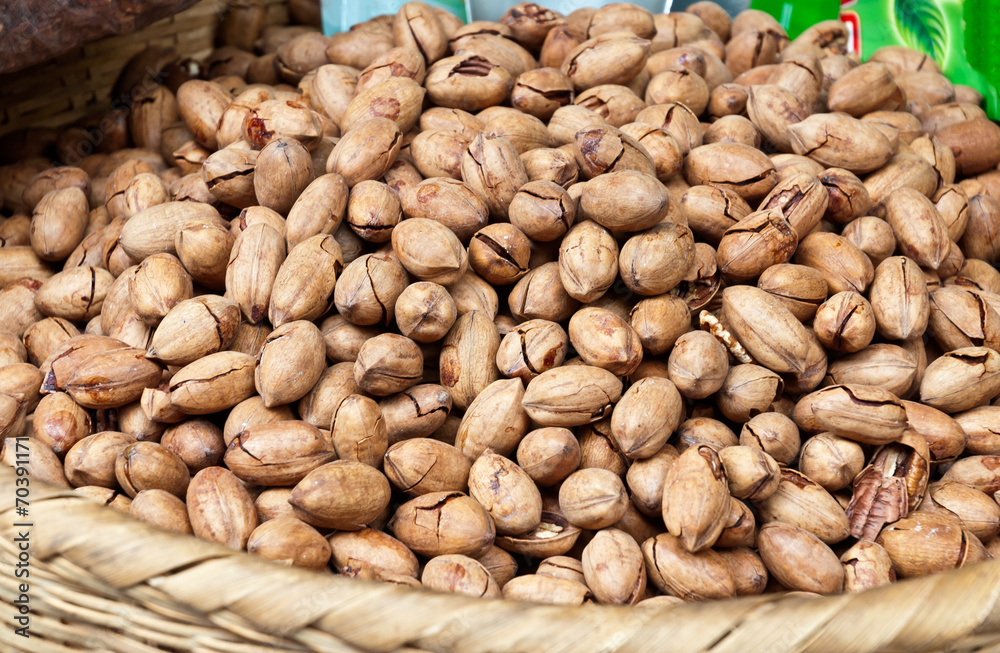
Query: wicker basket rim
[104, 572]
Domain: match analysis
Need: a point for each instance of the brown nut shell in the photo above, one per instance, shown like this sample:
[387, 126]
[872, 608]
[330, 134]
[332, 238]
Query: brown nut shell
[344, 495]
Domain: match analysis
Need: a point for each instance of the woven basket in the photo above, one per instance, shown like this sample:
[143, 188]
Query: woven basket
[100, 581]
[78, 83]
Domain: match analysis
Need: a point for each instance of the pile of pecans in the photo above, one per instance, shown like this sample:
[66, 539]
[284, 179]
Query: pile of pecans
[650, 308]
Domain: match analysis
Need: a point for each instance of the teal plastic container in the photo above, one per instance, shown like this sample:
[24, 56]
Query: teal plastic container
[492, 10]
[339, 15]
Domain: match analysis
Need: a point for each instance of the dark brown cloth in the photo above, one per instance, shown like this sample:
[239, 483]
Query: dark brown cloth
[32, 31]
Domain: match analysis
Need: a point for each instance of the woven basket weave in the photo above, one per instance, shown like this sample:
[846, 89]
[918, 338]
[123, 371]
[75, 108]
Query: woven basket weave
[78, 83]
[101, 581]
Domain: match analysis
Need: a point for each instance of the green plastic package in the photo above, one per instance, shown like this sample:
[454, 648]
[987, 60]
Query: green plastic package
[962, 36]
